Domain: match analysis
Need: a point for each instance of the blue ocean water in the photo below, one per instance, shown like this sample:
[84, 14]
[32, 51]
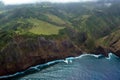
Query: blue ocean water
[84, 67]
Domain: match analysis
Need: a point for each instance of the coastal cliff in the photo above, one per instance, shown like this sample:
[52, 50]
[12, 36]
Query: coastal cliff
[22, 54]
[33, 34]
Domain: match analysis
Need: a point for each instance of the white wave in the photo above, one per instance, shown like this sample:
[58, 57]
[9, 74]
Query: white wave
[96, 56]
[35, 67]
[111, 55]
[12, 75]
[67, 60]
[70, 61]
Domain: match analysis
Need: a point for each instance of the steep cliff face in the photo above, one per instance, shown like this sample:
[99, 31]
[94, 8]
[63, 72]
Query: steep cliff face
[22, 53]
[113, 42]
[66, 29]
[110, 43]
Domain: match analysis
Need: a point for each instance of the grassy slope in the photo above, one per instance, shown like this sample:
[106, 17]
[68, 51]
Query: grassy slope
[41, 27]
[48, 21]
[55, 19]
[108, 40]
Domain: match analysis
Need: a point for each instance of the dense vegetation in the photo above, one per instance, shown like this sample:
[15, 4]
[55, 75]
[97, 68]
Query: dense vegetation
[33, 34]
[83, 23]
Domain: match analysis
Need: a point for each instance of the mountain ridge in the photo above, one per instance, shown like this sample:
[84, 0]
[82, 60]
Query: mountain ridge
[34, 34]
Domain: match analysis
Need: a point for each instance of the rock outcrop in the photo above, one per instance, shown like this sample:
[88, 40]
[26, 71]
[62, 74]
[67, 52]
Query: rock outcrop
[22, 53]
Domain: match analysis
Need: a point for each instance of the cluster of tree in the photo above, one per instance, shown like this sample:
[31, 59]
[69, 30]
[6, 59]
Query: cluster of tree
[90, 20]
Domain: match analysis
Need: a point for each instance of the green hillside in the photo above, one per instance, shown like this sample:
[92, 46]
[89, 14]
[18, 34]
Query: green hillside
[41, 27]
[83, 23]
[32, 34]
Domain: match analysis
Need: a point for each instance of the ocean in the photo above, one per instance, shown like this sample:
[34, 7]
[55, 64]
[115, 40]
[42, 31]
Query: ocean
[84, 67]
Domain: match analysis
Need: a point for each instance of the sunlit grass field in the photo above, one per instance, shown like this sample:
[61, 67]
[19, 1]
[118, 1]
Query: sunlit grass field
[55, 19]
[41, 27]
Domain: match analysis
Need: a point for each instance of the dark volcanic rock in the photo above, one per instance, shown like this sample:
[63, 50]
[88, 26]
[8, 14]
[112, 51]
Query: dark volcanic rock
[20, 55]
[114, 42]
[101, 50]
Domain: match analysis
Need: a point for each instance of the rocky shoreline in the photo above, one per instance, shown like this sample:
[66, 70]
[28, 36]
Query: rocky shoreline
[19, 56]
[22, 54]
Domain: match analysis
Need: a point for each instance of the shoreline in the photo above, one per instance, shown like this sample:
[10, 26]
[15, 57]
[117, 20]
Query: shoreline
[66, 60]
